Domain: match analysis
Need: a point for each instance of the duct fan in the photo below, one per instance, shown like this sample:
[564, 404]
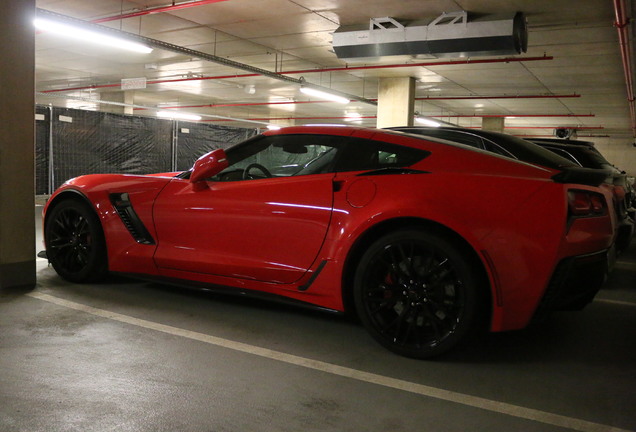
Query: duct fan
[449, 35]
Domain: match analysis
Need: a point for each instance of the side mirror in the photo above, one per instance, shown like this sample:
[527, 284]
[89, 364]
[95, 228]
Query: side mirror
[209, 165]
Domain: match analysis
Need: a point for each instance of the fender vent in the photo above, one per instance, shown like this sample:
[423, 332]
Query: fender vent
[131, 220]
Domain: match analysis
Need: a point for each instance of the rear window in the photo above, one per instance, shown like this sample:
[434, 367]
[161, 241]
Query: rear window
[586, 156]
[362, 154]
[513, 147]
[529, 152]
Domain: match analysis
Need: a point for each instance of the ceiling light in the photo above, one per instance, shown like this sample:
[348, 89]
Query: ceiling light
[427, 122]
[273, 127]
[324, 95]
[177, 115]
[353, 116]
[89, 35]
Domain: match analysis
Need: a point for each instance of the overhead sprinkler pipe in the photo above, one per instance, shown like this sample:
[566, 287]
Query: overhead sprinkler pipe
[622, 24]
[154, 10]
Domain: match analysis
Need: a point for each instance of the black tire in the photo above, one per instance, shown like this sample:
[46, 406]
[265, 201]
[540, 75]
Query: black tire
[75, 244]
[417, 293]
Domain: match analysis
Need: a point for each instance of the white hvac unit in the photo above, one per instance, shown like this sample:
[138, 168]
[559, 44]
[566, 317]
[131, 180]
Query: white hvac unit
[449, 35]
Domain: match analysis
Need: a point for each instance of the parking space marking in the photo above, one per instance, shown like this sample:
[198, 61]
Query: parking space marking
[367, 377]
[616, 302]
[624, 265]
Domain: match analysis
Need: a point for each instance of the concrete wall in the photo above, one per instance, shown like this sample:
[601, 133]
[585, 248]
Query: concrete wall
[620, 152]
[17, 113]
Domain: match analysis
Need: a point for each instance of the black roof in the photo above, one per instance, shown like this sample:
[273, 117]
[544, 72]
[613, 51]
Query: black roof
[515, 147]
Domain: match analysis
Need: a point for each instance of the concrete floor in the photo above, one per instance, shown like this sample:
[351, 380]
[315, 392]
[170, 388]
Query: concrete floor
[131, 356]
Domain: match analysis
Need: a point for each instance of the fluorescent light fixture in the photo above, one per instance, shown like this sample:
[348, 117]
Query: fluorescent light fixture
[273, 127]
[177, 115]
[89, 35]
[324, 95]
[427, 122]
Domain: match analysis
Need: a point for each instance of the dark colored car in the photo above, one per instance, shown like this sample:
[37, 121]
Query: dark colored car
[586, 155]
[495, 142]
[549, 154]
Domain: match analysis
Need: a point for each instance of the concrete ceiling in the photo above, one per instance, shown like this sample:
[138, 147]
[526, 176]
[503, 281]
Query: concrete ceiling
[573, 52]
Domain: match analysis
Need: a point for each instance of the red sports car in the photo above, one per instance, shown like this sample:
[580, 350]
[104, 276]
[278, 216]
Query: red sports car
[424, 239]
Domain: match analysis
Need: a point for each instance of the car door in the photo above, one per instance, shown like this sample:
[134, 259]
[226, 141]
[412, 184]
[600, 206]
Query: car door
[263, 218]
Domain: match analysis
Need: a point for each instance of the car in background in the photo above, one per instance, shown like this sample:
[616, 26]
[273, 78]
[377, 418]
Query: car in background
[426, 240]
[585, 154]
[496, 142]
[539, 153]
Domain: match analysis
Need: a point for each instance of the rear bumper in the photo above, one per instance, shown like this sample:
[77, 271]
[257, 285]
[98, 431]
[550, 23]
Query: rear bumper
[574, 283]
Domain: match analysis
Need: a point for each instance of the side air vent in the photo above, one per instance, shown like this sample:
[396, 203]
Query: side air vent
[131, 220]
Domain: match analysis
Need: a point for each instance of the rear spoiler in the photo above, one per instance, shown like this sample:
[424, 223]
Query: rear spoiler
[585, 176]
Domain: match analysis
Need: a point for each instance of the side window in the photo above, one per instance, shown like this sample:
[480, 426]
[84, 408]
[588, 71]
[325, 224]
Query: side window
[362, 155]
[494, 148]
[563, 153]
[279, 156]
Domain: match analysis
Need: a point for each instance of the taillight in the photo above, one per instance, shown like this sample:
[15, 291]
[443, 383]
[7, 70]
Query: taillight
[584, 203]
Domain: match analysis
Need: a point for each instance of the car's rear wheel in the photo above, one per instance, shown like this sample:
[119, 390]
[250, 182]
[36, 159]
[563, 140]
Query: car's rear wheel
[75, 243]
[417, 293]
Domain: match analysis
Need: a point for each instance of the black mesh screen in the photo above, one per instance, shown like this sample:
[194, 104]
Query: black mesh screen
[89, 142]
[196, 139]
[42, 152]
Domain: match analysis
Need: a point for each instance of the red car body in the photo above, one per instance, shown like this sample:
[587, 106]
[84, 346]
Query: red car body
[300, 237]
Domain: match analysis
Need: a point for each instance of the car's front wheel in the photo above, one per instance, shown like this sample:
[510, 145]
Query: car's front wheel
[75, 244]
[417, 293]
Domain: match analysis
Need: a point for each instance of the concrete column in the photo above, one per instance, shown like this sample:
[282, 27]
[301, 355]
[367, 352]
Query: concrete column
[396, 102]
[17, 117]
[495, 124]
[126, 97]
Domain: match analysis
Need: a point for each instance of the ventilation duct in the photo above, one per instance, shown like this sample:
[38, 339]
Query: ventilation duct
[449, 35]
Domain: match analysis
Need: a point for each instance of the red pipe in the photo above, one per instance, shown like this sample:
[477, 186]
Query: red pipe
[504, 60]
[238, 104]
[542, 127]
[372, 117]
[309, 102]
[514, 115]
[425, 64]
[622, 22]
[499, 97]
[155, 10]
[552, 136]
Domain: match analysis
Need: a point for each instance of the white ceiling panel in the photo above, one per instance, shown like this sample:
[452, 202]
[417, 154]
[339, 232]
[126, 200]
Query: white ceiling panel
[283, 35]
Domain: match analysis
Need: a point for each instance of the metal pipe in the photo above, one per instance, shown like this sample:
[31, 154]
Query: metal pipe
[221, 118]
[425, 64]
[51, 165]
[543, 127]
[193, 53]
[512, 115]
[343, 69]
[498, 97]
[552, 136]
[158, 9]
[242, 104]
[431, 116]
[622, 22]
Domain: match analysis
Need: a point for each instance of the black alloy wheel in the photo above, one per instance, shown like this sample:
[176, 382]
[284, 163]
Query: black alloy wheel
[75, 243]
[416, 293]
